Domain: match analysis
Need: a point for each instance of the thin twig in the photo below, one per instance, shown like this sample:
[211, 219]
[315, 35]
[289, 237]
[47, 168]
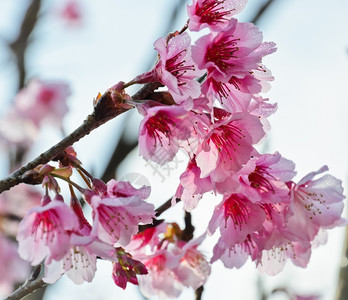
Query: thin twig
[199, 292]
[20, 45]
[261, 11]
[189, 228]
[166, 205]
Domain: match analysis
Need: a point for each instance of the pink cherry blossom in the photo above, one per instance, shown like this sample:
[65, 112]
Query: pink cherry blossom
[116, 219]
[273, 261]
[214, 14]
[79, 262]
[192, 186]
[161, 280]
[228, 145]
[193, 269]
[161, 131]
[237, 255]
[234, 94]
[125, 189]
[71, 12]
[234, 51]
[172, 263]
[316, 204]
[175, 68]
[45, 232]
[43, 101]
[263, 178]
[236, 217]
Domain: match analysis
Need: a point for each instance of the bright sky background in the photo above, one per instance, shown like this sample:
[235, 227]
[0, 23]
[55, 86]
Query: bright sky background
[115, 43]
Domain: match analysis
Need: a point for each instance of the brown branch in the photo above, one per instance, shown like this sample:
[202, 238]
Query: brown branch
[32, 284]
[104, 111]
[261, 11]
[166, 205]
[19, 45]
[187, 234]
[26, 289]
[199, 292]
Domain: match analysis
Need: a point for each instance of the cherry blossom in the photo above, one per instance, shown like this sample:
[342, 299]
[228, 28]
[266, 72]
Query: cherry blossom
[45, 232]
[175, 68]
[234, 51]
[214, 14]
[192, 186]
[43, 101]
[161, 131]
[116, 219]
[229, 144]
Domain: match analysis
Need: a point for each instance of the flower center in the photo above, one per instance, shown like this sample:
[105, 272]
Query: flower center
[159, 125]
[212, 12]
[236, 209]
[258, 180]
[177, 67]
[311, 201]
[227, 139]
[222, 51]
[45, 226]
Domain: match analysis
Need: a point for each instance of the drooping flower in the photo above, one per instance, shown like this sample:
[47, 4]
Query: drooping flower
[161, 280]
[236, 217]
[237, 94]
[192, 186]
[79, 262]
[228, 145]
[237, 255]
[116, 219]
[45, 232]
[193, 269]
[263, 179]
[214, 14]
[161, 131]
[172, 262]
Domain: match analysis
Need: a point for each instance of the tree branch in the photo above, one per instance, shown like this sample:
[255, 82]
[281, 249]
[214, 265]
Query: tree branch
[32, 284]
[19, 45]
[104, 111]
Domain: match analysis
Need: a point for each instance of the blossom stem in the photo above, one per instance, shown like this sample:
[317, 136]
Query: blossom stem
[82, 173]
[69, 181]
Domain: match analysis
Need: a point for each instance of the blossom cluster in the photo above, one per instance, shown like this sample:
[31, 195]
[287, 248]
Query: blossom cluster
[217, 115]
[212, 108]
[60, 235]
